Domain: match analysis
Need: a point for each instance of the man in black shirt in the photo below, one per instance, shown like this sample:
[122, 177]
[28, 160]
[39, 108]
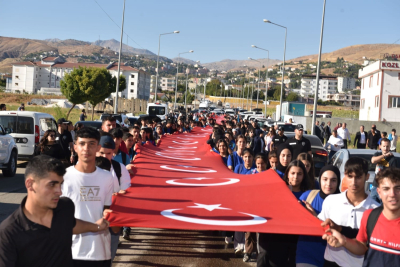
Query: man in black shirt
[39, 232]
[373, 138]
[299, 143]
[64, 138]
[280, 138]
[83, 116]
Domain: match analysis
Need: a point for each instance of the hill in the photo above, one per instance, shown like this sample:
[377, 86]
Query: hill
[185, 60]
[114, 45]
[354, 53]
[227, 64]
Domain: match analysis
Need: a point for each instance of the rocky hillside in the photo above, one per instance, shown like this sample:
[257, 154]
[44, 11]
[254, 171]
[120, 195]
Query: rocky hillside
[114, 45]
[355, 53]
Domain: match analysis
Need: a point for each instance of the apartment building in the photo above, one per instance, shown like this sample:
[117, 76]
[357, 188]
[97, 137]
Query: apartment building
[327, 85]
[167, 84]
[346, 83]
[347, 100]
[44, 76]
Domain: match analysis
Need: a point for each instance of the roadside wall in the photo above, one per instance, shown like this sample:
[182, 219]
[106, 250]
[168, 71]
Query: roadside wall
[124, 106]
[352, 124]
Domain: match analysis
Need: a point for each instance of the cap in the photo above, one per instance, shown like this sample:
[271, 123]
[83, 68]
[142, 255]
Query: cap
[299, 127]
[280, 128]
[61, 121]
[107, 142]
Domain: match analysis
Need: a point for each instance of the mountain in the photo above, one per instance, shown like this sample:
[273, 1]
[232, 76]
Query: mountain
[184, 60]
[355, 53]
[228, 64]
[114, 45]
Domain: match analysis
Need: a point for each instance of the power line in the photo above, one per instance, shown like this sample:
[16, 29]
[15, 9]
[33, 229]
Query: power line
[388, 46]
[117, 24]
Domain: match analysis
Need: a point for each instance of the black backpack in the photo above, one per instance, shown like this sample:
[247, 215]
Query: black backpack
[371, 222]
[117, 169]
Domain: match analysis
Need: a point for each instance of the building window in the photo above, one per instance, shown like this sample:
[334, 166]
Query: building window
[371, 80]
[362, 81]
[377, 80]
[16, 77]
[132, 76]
[394, 101]
[362, 103]
[377, 101]
[131, 91]
[132, 83]
[16, 84]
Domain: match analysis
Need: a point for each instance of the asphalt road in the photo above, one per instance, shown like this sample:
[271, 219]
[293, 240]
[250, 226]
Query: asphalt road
[147, 246]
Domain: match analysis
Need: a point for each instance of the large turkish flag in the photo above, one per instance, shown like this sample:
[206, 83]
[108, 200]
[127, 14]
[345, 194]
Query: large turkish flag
[181, 184]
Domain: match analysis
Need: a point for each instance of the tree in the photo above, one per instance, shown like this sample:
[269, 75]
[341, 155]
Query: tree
[292, 96]
[277, 95]
[74, 86]
[100, 85]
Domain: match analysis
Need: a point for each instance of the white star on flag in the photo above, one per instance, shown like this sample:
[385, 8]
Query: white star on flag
[208, 207]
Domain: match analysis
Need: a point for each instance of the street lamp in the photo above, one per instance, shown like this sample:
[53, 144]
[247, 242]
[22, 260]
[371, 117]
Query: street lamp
[258, 91]
[119, 62]
[177, 71]
[283, 70]
[158, 57]
[187, 72]
[195, 89]
[266, 78]
[318, 71]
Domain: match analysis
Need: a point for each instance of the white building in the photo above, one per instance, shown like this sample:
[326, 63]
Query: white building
[380, 91]
[43, 77]
[346, 83]
[327, 85]
[347, 100]
[167, 84]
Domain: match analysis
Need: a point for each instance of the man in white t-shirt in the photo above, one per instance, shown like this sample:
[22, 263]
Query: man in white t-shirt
[343, 212]
[91, 189]
[121, 178]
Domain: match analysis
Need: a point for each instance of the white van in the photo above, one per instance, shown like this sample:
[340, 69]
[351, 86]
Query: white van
[27, 128]
[160, 110]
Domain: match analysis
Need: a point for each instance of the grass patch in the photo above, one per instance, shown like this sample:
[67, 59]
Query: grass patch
[56, 112]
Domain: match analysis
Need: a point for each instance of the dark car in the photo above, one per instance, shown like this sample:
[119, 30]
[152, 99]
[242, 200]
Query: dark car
[340, 158]
[319, 153]
[94, 124]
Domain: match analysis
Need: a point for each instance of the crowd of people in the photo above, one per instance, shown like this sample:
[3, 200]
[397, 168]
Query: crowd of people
[61, 221]
[340, 137]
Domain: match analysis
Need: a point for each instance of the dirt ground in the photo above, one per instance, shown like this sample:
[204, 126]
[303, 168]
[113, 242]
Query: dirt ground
[10, 99]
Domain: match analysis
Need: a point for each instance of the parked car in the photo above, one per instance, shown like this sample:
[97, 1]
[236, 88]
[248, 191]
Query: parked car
[122, 119]
[319, 153]
[27, 128]
[340, 158]
[8, 153]
[93, 124]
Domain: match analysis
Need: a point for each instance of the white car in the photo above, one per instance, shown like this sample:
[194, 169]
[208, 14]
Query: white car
[8, 153]
[27, 128]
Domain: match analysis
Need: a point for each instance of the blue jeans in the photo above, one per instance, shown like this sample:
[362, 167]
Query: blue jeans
[114, 243]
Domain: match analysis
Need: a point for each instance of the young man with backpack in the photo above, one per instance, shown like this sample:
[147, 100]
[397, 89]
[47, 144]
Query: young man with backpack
[119, 155]
[343, 212]
[121, 181]
[379, 236]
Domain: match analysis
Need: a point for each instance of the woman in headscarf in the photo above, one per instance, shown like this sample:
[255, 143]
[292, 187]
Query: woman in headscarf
[311, 249]
[284, 152]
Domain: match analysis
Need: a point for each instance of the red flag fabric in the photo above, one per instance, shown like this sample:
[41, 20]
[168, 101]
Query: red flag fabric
[181, 184]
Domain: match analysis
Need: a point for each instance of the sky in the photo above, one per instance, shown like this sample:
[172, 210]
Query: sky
[215, 30]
